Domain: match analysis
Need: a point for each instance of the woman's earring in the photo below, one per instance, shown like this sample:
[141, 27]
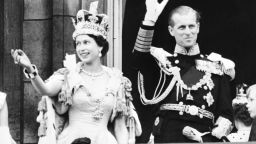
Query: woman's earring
[100, 54]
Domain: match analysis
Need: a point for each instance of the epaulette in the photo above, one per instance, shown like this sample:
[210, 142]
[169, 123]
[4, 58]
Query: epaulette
[209, 66]
[216, 64]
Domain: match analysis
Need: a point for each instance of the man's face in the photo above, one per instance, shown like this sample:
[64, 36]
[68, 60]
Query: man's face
[185, 29]
[251, 105]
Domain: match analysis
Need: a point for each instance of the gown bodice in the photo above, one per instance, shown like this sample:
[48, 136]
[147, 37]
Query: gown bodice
[91, 103]
[91, 110]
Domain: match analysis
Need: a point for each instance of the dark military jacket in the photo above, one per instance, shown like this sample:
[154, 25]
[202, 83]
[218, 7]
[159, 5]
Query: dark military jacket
[203, 87]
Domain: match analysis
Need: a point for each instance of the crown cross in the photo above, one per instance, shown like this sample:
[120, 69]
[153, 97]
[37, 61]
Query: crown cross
[90, 23]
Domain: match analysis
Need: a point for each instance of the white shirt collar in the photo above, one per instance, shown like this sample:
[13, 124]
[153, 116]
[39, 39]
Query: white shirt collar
[192, 51]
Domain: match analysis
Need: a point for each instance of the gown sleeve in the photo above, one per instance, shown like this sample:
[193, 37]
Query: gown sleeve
[58, 75]
[65, 95]
[51, 123]
[124, 107]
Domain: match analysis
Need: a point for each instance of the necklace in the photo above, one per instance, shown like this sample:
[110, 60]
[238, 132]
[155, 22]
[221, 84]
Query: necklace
[93, 74]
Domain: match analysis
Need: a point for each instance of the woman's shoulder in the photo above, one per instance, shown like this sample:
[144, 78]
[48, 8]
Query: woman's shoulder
[64, 70]
[61, 71]
[113, 71]
[58, 75]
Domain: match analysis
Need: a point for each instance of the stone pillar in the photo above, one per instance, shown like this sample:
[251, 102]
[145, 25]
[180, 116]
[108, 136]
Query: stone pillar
[10, 75]
[37, 44]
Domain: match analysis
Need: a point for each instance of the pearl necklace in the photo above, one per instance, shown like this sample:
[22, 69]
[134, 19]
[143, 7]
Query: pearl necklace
[93, 74]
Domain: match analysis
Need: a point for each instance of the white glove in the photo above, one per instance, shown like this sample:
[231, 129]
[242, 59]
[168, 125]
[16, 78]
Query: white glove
[154, 9]
[224, 126]
[192, 134]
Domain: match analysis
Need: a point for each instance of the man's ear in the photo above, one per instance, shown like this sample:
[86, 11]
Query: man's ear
[170, 28]
[198, 24]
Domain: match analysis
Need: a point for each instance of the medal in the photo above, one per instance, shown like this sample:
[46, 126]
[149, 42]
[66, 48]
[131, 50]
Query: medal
[189, 96]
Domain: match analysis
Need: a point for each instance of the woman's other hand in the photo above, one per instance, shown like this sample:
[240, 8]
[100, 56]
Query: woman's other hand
[21, 59]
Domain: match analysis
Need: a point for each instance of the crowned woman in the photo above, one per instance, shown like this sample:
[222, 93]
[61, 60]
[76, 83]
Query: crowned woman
[94, 97]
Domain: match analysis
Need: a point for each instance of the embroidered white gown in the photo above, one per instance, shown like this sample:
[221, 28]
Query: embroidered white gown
[5, 136]
[90, 112]
[94, 102]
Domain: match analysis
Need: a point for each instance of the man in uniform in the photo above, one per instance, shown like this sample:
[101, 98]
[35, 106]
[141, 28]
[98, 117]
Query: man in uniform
[192, 90]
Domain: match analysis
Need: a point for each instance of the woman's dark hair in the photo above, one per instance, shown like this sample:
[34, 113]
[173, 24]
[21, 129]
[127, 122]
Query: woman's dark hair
[102, 42]
[241, 113]
[83, 140]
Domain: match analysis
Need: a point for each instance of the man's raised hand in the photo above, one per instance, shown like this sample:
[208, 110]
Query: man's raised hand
[154, 9]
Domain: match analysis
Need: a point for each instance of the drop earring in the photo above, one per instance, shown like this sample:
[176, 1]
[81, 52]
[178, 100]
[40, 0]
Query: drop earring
[100, 54]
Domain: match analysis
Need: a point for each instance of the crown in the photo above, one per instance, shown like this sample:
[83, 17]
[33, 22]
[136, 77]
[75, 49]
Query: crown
[90, 23]
[240, 94]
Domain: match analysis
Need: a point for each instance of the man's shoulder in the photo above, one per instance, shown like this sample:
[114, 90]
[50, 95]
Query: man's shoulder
[206, 65]
[216, 64]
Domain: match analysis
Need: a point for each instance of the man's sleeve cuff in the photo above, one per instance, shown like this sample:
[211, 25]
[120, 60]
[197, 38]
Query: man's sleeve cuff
[146, 27]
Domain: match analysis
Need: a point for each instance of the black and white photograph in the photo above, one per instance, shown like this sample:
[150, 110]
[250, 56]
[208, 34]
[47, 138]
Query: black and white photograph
[127, 71]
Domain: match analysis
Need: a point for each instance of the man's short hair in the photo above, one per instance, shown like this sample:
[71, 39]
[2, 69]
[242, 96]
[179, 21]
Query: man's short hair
[183, 10]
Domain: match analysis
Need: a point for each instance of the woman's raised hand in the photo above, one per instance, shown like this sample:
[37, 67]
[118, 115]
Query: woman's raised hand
[21, 58]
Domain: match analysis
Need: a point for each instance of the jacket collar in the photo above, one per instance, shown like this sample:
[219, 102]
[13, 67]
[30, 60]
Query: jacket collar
[192, 51]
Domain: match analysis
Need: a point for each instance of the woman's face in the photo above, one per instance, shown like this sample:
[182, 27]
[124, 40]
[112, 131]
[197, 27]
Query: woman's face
[87, 49]
[251, 105]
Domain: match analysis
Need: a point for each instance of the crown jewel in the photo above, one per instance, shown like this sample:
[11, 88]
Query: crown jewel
[90, 23]
[240, 94]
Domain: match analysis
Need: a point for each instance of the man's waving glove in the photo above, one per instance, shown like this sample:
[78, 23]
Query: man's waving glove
[154, 9]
